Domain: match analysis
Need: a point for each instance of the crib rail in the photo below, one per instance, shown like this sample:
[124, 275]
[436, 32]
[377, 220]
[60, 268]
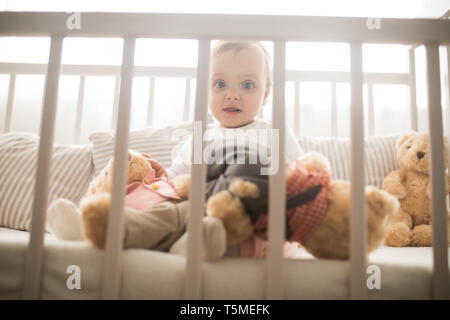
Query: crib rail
[186, 73]
[221, 26]
[206, 28]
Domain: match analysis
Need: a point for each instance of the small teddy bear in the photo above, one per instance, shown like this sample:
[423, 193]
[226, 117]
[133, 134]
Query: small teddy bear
[155, 214]
[411, 185]
[318, 213]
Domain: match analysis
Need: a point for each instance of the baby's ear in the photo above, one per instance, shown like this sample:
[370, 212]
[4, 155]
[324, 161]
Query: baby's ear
[266, 95]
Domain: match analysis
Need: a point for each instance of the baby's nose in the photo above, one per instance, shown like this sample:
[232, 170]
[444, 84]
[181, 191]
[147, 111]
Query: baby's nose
[232, 96]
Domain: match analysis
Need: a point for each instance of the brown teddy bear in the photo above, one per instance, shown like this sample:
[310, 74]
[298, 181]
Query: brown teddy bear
[235, 210]
[411, 185]
[155, 215]
[321, 225]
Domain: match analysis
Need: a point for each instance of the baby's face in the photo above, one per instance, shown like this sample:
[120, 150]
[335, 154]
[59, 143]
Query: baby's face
[238, 87]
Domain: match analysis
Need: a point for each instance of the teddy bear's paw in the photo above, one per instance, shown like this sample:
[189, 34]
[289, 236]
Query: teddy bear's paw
[181, 184]
[214, 241]
[422, 236]
[95, 211]
[398, 235]
[244, 189]
[315, 161]
[232, 213]
[64, 220]
[381, 203]
[394, 187]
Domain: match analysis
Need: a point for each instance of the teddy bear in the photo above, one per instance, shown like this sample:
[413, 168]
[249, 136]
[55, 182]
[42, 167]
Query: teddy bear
[318, 208]
[411, 186]
[236, 210]
[155, 214]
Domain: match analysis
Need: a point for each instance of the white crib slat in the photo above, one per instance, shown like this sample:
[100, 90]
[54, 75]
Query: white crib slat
[277, 189]
[9, 104]
[80, 105]
[115, 102]
[34, 258]
[113, 250]
[358, 219]
[297, 109]
[441, 287]
[333, 110]
[151, 99]
[412, 89]
[371, 110]
[187, 100]
[447, 90]
[193, 275]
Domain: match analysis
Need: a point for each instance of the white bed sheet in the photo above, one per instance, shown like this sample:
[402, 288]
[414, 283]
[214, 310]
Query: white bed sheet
[406, 273]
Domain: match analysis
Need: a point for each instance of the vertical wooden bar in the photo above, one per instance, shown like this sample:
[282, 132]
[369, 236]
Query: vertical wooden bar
[277, 188]
[412, 89]
[371, 110]
[193, 275]
[297, 109]
[187, 100]
[9, 104]
[441, 286]
[333, 110]
[34, 258]
[448, 104]
[80, 105]
[115, 103]
[151, 100]
[358, 219]
[113, 250]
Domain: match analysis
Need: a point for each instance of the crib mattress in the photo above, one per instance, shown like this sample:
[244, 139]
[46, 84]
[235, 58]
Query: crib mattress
[405, 273]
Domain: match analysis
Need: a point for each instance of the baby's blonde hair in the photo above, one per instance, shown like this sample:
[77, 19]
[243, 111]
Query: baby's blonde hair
[226, 45]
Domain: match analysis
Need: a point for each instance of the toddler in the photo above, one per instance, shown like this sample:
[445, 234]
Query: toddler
[240, 85]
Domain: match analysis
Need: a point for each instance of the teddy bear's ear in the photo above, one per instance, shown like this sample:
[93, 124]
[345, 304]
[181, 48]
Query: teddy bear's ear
[402, 139]
[145, 155]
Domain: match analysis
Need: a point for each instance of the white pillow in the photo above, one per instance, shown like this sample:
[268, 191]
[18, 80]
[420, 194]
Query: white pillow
[71, 172]
[379, 156]
[161, 144]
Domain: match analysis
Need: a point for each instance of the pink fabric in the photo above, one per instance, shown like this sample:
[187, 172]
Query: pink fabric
[302, 219]
[142, 194]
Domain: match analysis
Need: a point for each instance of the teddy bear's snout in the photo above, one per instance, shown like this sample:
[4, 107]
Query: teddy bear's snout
[420, 154]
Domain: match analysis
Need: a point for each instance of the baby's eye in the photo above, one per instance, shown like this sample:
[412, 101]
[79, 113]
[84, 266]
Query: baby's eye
[219, 84]
[247, 85]
[409, 147]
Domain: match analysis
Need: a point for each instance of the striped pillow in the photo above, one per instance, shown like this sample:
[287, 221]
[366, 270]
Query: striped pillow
[162, 144]
[379, 156]
[71, 172]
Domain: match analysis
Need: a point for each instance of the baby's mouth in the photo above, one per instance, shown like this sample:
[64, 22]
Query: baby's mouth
[232, 109]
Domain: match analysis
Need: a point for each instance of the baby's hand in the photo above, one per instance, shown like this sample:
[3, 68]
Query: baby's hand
[159, 169]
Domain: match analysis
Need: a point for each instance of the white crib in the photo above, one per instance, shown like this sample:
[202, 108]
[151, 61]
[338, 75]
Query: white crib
[205, 28]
